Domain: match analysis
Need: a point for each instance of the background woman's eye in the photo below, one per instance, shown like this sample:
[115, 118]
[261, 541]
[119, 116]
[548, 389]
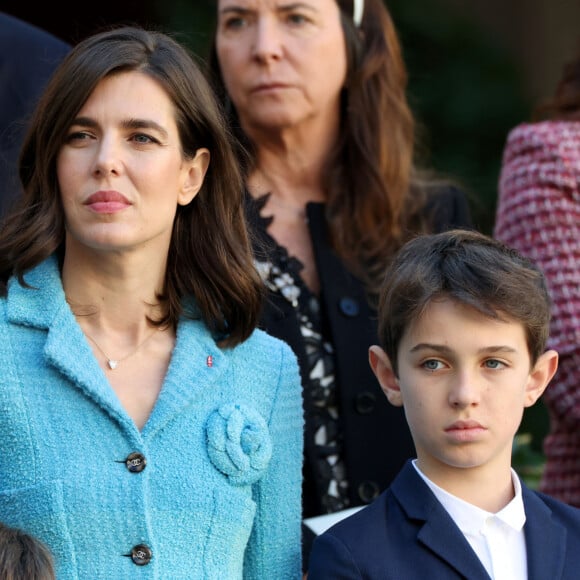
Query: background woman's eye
[234, 23]
[297, 18]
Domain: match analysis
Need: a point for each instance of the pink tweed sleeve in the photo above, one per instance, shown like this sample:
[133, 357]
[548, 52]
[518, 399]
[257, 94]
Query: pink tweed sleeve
[538, 213]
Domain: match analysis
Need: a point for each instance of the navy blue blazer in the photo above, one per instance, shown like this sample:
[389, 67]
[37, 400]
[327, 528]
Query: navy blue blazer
[406, 534]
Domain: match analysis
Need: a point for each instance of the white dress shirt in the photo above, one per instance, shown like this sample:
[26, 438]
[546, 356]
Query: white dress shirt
[497, 539]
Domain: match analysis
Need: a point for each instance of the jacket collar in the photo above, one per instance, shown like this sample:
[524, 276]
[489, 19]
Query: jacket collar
[438, 532]
[196, 363]
[545, 538]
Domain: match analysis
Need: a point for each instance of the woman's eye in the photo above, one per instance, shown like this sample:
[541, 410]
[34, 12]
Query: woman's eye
[77, 136]
[143, 139]
[296, 18]
[234, 23]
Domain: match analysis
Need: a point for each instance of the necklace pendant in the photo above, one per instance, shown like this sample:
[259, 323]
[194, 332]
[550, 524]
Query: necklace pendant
[112, 364]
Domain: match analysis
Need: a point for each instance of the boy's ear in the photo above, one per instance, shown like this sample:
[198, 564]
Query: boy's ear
[540, 376]
[383, 370]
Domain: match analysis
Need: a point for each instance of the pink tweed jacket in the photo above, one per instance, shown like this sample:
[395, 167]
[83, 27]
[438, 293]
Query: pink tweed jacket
[538, 214]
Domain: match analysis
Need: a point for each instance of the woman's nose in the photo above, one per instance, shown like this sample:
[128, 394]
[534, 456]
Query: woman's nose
[107, 158]
[267, 41]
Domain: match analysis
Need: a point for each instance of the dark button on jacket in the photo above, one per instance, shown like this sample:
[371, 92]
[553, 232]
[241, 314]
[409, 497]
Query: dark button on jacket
[365, 403]
[349, 306]
[141, 554]
[135, 462]
[368, 491]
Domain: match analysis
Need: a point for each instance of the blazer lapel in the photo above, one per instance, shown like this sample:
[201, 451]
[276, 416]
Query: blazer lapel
[197, 367]
[439, 532]
[43, 306]
[545, 539]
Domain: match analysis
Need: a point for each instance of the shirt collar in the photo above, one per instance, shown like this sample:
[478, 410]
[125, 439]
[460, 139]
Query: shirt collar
[470, 518]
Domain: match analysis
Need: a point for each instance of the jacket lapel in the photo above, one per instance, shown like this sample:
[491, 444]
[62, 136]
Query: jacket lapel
[196, 363]
[438, 532]
[197, 367]
[66, 350]
[545, 539]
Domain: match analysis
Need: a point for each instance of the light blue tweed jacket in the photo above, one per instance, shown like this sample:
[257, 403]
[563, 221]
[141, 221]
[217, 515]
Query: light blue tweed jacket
[219, 497]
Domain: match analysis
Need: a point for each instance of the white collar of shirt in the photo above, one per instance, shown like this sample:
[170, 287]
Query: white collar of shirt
[498, 539]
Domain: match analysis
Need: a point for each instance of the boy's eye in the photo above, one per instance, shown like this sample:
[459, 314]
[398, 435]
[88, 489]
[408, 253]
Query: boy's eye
[493, 363]
[432, 365]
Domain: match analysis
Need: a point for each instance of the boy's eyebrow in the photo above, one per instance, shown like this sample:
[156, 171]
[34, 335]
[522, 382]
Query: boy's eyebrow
[494, 349]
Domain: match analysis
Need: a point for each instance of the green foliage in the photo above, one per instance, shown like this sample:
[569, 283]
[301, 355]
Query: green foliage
[466, 93]
[527, 462]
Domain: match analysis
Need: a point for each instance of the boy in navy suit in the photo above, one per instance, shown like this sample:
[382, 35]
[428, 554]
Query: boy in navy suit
[463, 322]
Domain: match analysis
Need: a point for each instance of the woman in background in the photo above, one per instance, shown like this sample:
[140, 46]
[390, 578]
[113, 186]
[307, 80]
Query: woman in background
[538, 213]
[316, 93]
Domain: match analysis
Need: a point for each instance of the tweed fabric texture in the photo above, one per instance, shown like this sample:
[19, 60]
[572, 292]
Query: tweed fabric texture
[220, 496]
[539, 214]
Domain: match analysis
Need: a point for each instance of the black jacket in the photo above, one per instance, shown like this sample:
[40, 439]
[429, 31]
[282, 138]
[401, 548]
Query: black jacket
[376, 437]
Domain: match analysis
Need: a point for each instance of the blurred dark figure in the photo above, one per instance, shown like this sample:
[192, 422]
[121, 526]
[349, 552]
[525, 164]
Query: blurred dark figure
[28, 55]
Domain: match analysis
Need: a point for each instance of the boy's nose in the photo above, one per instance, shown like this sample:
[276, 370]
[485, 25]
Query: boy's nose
[464, 390]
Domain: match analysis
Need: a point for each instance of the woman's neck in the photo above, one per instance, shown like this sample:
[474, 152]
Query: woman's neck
[113, 291]
[291, 162]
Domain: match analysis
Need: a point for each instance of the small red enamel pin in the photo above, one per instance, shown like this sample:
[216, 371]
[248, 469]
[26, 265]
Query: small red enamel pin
[209, 361]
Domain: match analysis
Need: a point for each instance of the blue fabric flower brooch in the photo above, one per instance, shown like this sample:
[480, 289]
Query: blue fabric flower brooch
[239, 443]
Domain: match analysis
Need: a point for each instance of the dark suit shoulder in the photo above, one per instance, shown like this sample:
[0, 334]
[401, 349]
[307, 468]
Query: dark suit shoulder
[567, 514]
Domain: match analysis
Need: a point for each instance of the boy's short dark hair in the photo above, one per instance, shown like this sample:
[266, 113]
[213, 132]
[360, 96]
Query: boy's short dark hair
[468, 267]
[23, 557]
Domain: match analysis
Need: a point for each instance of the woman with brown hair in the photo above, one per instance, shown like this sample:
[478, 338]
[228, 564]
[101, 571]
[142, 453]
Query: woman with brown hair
[146, 424]
[316, 93]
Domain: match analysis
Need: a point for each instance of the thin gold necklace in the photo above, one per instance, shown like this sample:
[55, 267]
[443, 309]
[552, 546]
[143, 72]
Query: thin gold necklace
[113, 363]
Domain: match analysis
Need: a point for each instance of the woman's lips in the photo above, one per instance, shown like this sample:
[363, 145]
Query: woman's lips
[107, 202]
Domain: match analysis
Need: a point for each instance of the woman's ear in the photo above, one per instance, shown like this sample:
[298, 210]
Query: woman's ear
[540, 376]
[194, 173]
[383, 369]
